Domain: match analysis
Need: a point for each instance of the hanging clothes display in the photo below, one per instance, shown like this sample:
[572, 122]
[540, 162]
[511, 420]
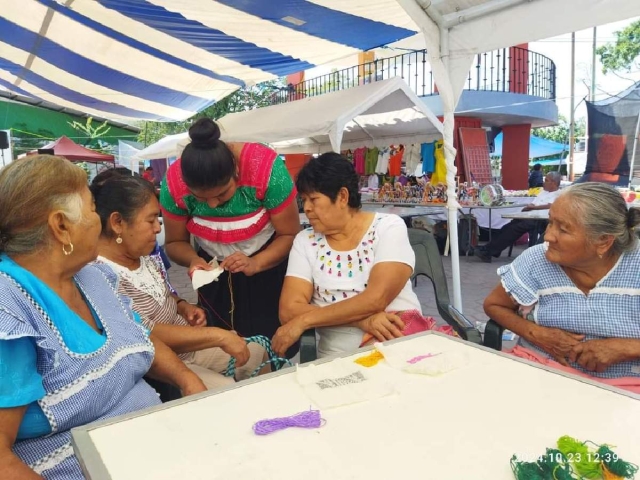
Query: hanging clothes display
[428, 157]
[411, 157]
[440, 170]
[371, 160]
[383, 161]
[395, 162]
[359, 160]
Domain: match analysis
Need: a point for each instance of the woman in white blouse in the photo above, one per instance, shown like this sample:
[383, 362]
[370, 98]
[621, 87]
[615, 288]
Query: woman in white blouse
[349, 271]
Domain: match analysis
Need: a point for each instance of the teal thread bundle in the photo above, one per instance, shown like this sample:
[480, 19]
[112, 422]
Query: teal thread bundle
[574, 460]
[277, 362]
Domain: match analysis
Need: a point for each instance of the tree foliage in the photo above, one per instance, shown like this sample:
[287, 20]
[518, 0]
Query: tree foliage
[560, 133]
[260, 95]
[624, 53]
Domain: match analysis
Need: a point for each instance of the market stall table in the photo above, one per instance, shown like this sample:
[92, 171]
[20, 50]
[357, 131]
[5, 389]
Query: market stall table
[466, 423]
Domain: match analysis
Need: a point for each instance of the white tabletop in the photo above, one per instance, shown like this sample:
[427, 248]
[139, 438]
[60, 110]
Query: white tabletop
[464, 424]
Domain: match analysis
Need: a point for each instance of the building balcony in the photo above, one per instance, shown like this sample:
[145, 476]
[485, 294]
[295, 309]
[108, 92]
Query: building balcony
[507, 86]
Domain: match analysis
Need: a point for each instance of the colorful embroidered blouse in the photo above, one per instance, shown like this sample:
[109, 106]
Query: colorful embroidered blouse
[243, 223]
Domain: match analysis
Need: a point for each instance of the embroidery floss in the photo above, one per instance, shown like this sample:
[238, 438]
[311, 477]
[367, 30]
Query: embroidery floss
[309, 419]
[583, 461]
[370, 360]
[614, 465]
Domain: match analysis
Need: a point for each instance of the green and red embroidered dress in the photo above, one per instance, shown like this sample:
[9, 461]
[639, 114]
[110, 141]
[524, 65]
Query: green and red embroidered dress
[243, 223]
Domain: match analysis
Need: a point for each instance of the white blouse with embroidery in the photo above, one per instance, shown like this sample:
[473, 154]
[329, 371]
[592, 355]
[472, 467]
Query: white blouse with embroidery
[338, 275]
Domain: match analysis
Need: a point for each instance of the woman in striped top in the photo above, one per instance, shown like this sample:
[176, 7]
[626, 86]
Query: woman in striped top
[238, 200]
[129, 211]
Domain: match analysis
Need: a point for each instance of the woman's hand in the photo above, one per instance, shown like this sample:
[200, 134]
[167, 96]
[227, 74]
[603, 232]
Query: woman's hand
[239, 262]
[598, 355]
[235, 346]
[556, 342]
[192, 314]
[198, 263]
[287, 335]
[383, 326]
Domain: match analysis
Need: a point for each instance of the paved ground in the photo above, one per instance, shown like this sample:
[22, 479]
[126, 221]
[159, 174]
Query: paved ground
[477, 280]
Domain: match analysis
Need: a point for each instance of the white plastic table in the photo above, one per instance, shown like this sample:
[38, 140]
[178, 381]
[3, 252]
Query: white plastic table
[464, 424]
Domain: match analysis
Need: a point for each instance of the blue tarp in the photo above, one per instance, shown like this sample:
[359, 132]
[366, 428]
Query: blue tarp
[538, 147]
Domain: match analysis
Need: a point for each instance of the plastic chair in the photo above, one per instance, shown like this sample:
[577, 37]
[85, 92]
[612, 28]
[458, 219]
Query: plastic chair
[429, 264]
[493, 335]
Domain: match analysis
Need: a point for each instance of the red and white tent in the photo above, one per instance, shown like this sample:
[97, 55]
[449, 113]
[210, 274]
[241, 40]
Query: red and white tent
[67, 148]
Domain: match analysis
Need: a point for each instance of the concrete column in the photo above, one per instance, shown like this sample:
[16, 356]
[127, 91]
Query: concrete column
[515, 156]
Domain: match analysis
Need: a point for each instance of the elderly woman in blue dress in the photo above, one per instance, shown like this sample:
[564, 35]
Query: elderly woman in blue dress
[70, 350]
[575, 300]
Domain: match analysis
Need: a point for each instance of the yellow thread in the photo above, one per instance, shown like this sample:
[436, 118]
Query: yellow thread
[233, 305]
[370, 360]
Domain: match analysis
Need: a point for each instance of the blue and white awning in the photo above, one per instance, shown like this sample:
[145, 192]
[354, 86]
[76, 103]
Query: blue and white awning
[168, 59]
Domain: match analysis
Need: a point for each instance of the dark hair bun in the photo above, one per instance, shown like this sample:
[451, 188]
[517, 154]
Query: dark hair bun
[633, 217]
[204, 134]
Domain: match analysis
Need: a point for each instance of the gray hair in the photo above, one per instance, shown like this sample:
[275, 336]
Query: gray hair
[602, 211]
[30, 189]
[555, 177]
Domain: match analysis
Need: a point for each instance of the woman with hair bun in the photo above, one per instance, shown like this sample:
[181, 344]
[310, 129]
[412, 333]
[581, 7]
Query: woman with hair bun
[238, 201]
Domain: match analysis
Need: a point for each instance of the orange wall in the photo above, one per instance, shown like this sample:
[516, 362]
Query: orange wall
[295, 162]
[518, 69]
[515, 156]
[294, 78]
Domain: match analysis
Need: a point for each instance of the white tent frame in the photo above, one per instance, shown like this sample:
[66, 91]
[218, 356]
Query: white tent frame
[453, 39]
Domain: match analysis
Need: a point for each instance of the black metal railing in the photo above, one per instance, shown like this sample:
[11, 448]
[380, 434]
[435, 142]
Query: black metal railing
[514, 69]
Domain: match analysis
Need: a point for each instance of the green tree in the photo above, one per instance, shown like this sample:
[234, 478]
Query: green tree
[623, 54]
[260, 95]
[560, 133]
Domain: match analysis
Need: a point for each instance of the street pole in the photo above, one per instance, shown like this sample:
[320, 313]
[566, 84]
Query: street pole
[593, 66]
[573, 100]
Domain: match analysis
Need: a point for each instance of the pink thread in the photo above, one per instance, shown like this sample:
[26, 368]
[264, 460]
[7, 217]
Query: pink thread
[421, 357]
[308, 419]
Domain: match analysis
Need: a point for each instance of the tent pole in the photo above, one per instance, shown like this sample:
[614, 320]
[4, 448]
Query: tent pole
[450, 154]
[572, 127]
[635, 149]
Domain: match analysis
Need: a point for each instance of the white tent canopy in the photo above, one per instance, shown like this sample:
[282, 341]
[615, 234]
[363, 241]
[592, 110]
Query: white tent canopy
[379, 114]
[456, 30]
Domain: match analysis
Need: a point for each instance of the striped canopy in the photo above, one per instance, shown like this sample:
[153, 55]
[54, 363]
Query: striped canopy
[169, 59]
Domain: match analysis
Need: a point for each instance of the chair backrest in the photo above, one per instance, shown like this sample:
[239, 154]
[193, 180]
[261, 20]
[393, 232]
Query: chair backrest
[429, 264]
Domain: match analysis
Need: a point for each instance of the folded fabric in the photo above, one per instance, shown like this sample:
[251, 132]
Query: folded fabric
[341, 382]
[200, 278]
[414, 322]
[631, 384]
[414, 359]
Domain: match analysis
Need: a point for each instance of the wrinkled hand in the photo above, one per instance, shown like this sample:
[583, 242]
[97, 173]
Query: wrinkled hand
[235, 346]
[556, 342]
[287, 335]
[239, 262]
[192, 314]
[198, 264]
[383, 326]
[191, 385]
[598, 355]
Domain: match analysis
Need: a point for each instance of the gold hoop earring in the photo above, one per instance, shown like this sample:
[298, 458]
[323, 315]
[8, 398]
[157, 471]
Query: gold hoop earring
[64, 250]
[119, 240]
